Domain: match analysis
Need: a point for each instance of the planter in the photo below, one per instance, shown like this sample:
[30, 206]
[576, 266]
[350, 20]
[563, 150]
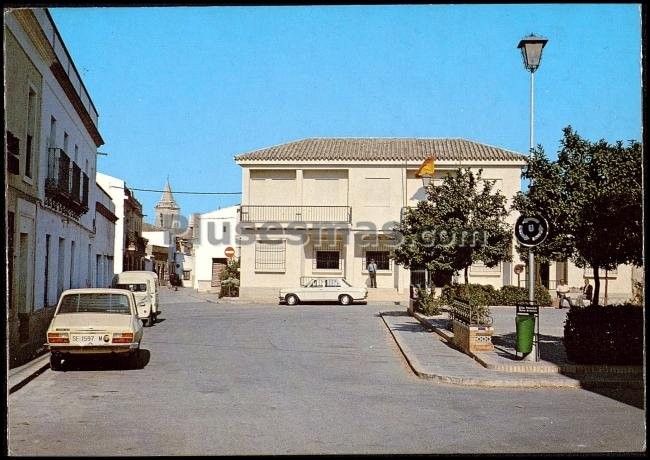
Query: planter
[472, 339]
[413, 303]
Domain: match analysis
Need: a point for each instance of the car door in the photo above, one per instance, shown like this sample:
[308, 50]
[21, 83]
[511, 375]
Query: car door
[313, 291]
[331, 290]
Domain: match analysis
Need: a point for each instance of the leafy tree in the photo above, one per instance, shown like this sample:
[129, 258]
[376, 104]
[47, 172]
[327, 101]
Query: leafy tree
[230, 279]
[591, 197]
[462, 221]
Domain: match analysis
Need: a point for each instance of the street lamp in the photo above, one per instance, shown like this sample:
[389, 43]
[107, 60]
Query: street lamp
[531, 51]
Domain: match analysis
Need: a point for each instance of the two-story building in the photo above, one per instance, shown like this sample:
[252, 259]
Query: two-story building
[52, 138]
[325, 207]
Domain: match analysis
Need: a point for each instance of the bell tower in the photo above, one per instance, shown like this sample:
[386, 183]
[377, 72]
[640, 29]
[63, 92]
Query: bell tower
[167, 210]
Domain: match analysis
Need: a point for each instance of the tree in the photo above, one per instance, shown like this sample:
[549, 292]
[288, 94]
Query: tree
[591, 197]
[462, 221]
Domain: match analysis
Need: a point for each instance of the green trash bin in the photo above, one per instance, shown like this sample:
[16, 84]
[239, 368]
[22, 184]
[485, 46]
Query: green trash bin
[525, 331]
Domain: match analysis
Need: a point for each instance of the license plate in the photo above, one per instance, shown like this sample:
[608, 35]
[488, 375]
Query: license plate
[84, 339]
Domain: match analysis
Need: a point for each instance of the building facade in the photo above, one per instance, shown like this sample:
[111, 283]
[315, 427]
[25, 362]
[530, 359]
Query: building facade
[325, 207]
[52, 138]
[214, 232]
[130, 246]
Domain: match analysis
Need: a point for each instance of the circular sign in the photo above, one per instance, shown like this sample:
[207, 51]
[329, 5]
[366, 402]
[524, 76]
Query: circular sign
[531, 230]
[229, 252]
[518, 269]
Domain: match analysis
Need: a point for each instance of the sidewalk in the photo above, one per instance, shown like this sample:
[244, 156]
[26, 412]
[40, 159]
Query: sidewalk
[21, 376]
[428, 350]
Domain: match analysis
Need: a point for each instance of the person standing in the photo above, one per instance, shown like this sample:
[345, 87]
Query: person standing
[587, 293]
[372, 271]
[562, 291]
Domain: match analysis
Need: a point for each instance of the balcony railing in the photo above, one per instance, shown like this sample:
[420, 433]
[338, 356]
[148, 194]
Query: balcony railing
[307, 214]
[63, 185]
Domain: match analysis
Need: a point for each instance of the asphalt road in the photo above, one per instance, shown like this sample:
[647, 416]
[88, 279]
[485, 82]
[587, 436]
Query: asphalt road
[226, 379]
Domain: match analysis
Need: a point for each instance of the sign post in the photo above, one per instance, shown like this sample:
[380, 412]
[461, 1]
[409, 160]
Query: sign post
[531, 231]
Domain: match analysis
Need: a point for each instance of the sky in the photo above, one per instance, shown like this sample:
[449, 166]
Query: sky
[181, 90]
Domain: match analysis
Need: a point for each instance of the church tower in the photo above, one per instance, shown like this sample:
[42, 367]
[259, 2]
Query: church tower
[167, 211]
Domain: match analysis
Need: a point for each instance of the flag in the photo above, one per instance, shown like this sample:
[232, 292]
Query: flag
[427, 168]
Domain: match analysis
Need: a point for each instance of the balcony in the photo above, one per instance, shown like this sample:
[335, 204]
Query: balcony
[303, 214]
[63, 186]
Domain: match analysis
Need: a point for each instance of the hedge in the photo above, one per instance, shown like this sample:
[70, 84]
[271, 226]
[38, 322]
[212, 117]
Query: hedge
[485, 294]
[611, 334]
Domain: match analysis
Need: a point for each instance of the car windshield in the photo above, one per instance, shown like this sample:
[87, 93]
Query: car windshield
[95, 303]
[140, 287]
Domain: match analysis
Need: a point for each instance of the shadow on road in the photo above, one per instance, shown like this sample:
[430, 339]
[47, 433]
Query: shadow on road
[108, 363]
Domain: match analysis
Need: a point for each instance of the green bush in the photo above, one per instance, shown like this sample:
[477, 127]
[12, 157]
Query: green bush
[485, 294]
[427, 303]
[612, 334]
[230, 280]
[512, 295]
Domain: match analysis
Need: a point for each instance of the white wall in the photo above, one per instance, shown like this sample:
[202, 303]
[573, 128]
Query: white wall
[211, 243]
[115, 189]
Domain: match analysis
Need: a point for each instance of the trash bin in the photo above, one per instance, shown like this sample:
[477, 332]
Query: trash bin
[525, 330]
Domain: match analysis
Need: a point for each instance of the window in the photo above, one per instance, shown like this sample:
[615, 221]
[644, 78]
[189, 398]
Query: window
[381, 258]
[46, 275]
[13, 153]
[270, 255]
[52, 132]
[66, 138]
[134, 287]
[31, 128]
[327, 260]
[186, 274]
[95, 303]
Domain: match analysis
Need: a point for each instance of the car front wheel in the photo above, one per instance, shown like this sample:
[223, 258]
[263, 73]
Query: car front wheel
[345, 299]
[291, 299]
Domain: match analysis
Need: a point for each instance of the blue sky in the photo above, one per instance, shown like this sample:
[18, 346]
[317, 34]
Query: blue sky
[182, 90]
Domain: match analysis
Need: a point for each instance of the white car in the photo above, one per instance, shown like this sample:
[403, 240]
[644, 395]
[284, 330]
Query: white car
[97, 321]
[324, 289]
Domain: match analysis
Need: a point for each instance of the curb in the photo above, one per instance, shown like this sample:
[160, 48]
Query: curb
[417, 368]
[21, 376]
[487, 361]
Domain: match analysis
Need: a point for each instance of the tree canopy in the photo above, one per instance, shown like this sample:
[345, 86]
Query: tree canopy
[462, 221]
[592, 198]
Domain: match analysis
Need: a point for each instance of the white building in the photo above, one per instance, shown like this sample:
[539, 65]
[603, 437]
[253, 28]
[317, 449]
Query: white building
[325, 207]
[129, 243]
[215, 232]
[52, 205]
[105, 220]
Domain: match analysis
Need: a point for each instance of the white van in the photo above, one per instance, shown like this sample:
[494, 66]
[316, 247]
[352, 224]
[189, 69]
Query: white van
[144, 286]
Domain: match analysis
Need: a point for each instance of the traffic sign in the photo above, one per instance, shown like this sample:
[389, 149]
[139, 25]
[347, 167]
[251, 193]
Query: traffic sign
[229, 252]
[519, 268]
[531, 230]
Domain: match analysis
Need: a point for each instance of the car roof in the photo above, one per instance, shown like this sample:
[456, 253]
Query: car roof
[134, 275]
[96, 291]
[142, 272]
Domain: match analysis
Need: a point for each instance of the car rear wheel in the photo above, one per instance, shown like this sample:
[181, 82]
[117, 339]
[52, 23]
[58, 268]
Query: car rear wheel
[345, 299]
[151, 320]
[292, 299]
[56, 362]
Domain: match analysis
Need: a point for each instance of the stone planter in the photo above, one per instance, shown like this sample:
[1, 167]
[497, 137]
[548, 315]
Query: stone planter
[412, 306]
[473, 338]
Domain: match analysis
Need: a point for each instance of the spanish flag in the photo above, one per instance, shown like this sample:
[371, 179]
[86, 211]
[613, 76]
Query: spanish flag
[427, 168]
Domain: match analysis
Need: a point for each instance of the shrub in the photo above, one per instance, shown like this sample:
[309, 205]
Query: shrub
[611, 334]
[512, 295]
[230, 279]
[427, 303]
[485, 294]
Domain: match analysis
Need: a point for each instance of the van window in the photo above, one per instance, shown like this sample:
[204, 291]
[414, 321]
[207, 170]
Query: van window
[134, 287]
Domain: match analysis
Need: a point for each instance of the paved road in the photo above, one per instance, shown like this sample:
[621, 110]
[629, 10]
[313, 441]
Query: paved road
[266, 379]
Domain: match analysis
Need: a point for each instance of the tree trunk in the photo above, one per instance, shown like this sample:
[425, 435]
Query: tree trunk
[594, 299]
[466, 275]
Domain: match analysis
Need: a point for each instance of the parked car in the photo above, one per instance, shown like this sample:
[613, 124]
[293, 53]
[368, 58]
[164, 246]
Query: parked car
[145, 287]
[99, 321]
[323, 289]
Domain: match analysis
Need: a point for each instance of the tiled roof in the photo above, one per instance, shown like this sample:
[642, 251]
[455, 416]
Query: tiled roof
[381, 149]
[150, 228]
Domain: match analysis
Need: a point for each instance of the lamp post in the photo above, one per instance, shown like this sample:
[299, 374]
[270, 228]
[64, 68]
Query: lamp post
[531, 51]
